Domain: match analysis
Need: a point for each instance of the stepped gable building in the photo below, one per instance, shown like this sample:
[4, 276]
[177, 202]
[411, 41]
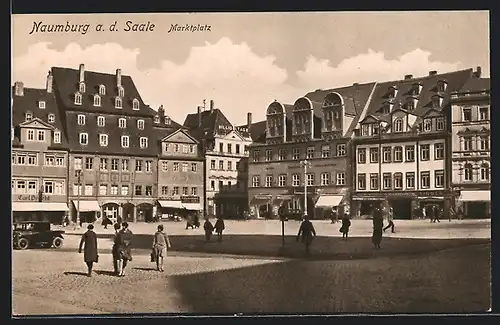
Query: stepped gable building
[180, 169]
[401, 145]
[113, 151]
[317, 128]
[471, 149]
[225, 149]
[39, 155]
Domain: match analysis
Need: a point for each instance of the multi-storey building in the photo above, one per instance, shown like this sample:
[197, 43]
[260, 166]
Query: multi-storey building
[471, 133]
[39, 155]
[306, 153]
[180, 172]
[402, 143]
[112, 142]
[225, 149]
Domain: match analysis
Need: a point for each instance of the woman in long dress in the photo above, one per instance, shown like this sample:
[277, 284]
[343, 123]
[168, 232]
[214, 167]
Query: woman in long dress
[378, 225]
[160, 244]
[125, 237]
[89, 244]
[117, 259]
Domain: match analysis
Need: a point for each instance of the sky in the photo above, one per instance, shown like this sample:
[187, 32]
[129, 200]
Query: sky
[245, 61]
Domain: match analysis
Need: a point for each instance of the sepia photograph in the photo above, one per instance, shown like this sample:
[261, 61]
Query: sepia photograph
[251, 163]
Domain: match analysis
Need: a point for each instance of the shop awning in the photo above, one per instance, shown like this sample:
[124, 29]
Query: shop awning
[87, 206]
[432, 198]
[192, 206]
[469, 196]
[171, 204]
[260, 199]
[328, 201]
[39, 206]
[282, 198]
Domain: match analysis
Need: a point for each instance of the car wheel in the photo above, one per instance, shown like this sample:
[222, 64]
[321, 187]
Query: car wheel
[22, 243]
[57, 242]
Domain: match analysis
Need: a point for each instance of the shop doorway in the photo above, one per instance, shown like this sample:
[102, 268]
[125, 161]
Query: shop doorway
[145, 212]
[127, 212]
[110, 211]
[477, 210]
[401, 208]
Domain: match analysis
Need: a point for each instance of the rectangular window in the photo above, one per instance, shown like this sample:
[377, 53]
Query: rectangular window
[398, 181]
[194, 167]
[468, 144]
[387, 181]
[398, 154]
[32, 187]
[386, 154]
[89, 163]
[194, 191]
[484, 142]
[114, 189]
[21, 187]
[81, 119]
[282, 180]
[212, 164]
[176, 147]
[361, 155]
[149, 190]
[138, 165]
[361, 181]
[229, 148]
[425, 179]
[424, 152]
[467, 114]
[50, 160]
[440, 123]
[175, 191]
[310, 179]
[484, 113]
[255, 181]
[125, 165]
[373, 181]
[149, 166]
[221, 164]
[325, 151]
[427, 125]
[256, 156]
[125, 190]
[184, 167]
[221, 186]
[138, 190]
[296, 153]
[373, 155]
[103, 189]
[84, 138]
[57, 137]
[21, 159]
[143, 142]
[410, 180]
[176, 167]
[439, 178]
[41, 135]
[341, 150]
[48, 187]
[103, 164]
[310, 153]
[164, 166]
[125, 141]
[221, 147]
[269, 181]
[410, 153]
[32, 160]
[365, 130]
[229, 165]
[31, 135]
[296, 180]
[77, 163]
[88, 189]
[114, 164]
[59, 188]
[325, 179]
[269, 155]
[237, 149]
[103, 140]
[282, 154]
[60, 161]
[164, 190]
[439, 151]
[340, 178]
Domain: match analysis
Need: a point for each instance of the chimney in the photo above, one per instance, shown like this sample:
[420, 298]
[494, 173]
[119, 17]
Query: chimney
[211, 105]
[408, 76]
[249, 120]
[118, 77]
[19, 88]
[49, 82]
[82, 72]
[433, 73]
[199, 116]
[478, 72]
[355, 84]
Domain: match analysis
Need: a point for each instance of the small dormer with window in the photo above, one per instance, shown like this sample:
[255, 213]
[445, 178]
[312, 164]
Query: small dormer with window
[433, 121]
[411, 103]
[97, 100]
[118, 102]
[56, 137]
[436, 101]
[41, 104]
[392, 92]
[102, 90]
[302, 120]
[370, 126]
[78, 98]
[168, 121]
[416, 89]
[135, 104]
[441, 86]
[28, 116]
[157, 119]
[275, 123]
[333, 115]
[399, 119]
[386, 108]
[81, 87]
[121, 91]
[51, 118]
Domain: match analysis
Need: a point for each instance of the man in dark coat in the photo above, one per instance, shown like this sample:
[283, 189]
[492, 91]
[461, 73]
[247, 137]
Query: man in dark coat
[307, 231]
[125, 237]
[378, 225]
[89, 244]
[344, 229]
[219, 228]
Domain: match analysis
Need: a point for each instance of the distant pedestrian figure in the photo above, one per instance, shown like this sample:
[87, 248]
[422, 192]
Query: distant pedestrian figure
[424, 212]
[306, 233]
[378, 225]
[117, 259]
[460, 213]
[451, 214]
[344, 229]
[209, 228]
[125, 247]
[219, 228]
[435, 214]
[89, 244]
[335, 215]
[390, 219]
[160, 244]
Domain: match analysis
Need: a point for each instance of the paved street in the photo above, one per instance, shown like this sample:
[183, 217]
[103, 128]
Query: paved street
[249, 272]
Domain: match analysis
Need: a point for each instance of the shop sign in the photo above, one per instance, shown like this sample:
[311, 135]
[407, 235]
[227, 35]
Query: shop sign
[190, 199]
[36, 198]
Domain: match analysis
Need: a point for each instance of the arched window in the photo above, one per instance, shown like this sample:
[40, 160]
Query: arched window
[97, 100]
[102, 90]
[485, 172]
[28, 116]
[135, 104]
[398, 125]
[118, 102]
[78, 99]
[81, 87]
[468, 172]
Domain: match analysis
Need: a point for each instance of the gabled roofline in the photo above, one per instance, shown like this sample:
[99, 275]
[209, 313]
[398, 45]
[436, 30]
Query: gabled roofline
[183, 130]
[37, 119]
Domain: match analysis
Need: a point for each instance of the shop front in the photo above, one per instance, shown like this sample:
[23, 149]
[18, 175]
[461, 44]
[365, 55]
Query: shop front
[327, 202]
[260, 206]
[89, 210]
[145, 212]
[475, 204]
[170, 208]
[191, 206]
[54, 212]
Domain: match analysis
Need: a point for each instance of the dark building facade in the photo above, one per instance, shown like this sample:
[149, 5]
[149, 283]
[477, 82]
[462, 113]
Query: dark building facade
[303, 158]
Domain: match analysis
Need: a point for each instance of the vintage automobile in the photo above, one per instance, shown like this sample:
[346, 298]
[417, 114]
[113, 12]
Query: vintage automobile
[35, 234]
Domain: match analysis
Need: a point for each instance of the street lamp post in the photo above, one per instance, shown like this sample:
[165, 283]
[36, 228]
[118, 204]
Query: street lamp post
[78, 174]
[306, 164]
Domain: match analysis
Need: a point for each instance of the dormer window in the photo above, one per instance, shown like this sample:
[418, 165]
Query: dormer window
[156, 119]
[441, 86]
[28, 116]
[410, 105]
[102, 90]
[118, 102]
[365, 130]
[140, 124]
[392, 92]
[122, 123]
[80, 119]
[97, 100]
[398, 125]
[385, 109]
[437, 101]
[101, 121]
[57, 137]
[41, 104]
[81, 87]
[121, 91]
[135, 104]
[143, 142]
[167, 120]
[51, 118]
[427, 125]
[78, 99]
[416, 89]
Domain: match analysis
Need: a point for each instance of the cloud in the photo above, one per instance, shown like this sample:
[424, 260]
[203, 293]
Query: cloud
[237, 79]
[370, 66]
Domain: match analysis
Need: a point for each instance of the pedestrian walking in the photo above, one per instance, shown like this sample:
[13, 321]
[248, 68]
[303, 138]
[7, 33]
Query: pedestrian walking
[89, 245]
[209, 228]
[306, 233]
[390, 220]
[344, 229]
[424, 212]
[117, 259]
[378, 225]
[161, 243]
[125, 237]
[335, 215]
[435, 213]
[451, 214]
[219, 228]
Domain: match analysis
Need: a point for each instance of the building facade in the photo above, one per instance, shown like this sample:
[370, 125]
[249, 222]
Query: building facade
[471, 150]
[112, 169]
[225, 150]
[402, 143]
[39, 156]
[303, 164]
[180, 174]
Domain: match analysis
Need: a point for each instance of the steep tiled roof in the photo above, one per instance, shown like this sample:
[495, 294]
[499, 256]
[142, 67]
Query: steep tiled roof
[476, 84]
[455, 80]
[257, 131]
[210, 122]
[29, 103]
[66, 82]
